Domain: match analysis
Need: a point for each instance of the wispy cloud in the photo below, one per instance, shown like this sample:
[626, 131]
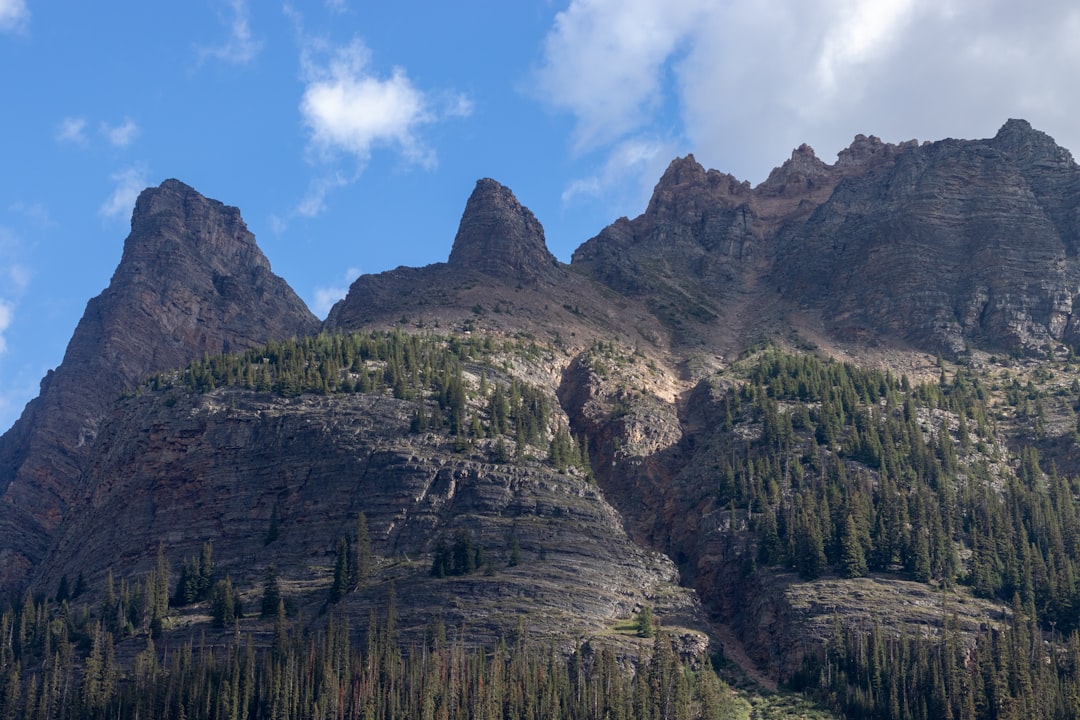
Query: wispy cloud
[14, 15]
[14, 280]
[314, 202]
[35, 212]
[120, 135]
[604, 62]
[71, 130]
[128, 183]
[325, 297]
[7, 316]
[639, 157]
[241, 46]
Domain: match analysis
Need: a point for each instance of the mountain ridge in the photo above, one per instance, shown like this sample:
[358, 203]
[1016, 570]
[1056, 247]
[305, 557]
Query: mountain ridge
[612, 418]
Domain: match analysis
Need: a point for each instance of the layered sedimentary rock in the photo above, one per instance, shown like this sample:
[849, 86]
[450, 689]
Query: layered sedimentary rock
[191, 281]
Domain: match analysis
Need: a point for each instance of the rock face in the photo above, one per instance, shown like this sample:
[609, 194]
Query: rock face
[929, 253]
[500, 237]
[225, 467]
[191, 281]
[910, 244]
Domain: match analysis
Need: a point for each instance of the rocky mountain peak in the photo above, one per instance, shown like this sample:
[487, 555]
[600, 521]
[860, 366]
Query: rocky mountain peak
[174, 222]
[500, 236]
[798, 174]
[867, 149]
[1023, 143]
[191, 282]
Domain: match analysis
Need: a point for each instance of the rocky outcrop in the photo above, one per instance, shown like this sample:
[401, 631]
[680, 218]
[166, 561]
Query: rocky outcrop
[941, 247]
[958, 244]
[191, 281]
[500, 277]
[226, 467]
[500, 237]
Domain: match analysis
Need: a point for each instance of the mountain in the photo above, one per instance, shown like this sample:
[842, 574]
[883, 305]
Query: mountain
[911, 245]
[191, 281]
[832, 412]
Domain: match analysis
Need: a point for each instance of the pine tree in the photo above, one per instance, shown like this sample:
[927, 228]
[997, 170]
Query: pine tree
[342, 579]
[644, 622]
[271, 595]
[853, 560]
[361, 554]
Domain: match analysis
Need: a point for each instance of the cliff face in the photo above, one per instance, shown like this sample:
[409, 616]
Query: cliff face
[908, 244]
[929, 252]
[226, 467]
[191, 281]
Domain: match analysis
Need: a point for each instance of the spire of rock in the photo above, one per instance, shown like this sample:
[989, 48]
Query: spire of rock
[499, 236]
[191, 281]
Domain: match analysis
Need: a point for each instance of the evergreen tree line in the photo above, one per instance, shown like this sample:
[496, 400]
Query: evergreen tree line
[462, 557]
[425, 369]
[324, 674]
[401, 363]
[1003, 673]
[854, 471]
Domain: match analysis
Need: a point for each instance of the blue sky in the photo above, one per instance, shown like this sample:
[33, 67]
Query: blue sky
[350, 133]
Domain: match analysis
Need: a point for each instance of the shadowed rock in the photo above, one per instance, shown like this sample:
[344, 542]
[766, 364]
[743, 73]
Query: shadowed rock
[191, 281]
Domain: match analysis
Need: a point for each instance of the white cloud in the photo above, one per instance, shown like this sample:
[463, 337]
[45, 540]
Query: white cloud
[13, 15]
[314, 201]
[121, 135]
[129, 182]
[7, 316]
[71, 130]
[348, 108]
[604, 62]
[240, 47]
[458, 105]
[740, 84]
[325, 297]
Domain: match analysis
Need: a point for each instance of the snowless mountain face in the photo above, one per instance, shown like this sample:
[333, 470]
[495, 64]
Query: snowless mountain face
[191, 281]
[567, 423]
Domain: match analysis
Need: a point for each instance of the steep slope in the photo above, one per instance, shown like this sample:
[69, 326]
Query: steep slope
[958, 244]
[913, 246]
[228, 466]
[191, 281]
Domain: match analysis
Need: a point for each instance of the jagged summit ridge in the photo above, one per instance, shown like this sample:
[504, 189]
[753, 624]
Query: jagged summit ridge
[499, 236]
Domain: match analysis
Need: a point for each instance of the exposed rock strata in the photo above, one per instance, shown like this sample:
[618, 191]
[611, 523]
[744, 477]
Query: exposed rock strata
[184, 471]
[191, 281]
